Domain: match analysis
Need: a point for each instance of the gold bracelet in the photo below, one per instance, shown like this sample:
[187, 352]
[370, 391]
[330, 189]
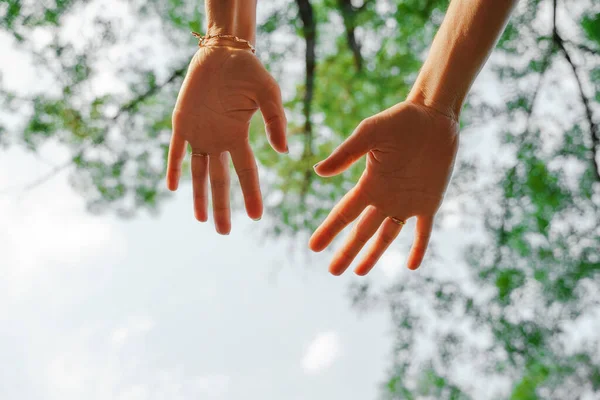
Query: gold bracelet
[202, 39]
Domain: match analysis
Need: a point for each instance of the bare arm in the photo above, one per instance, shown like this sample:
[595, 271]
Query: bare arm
[232, 17]
[461, 47]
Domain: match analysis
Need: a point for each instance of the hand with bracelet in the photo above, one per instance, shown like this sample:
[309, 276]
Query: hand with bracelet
[411, 147]
[224, 86]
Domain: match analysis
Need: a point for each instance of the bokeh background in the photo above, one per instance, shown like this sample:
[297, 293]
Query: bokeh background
[109, 289]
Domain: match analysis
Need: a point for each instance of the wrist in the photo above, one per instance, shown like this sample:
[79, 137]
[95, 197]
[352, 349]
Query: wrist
[241, 32]
[220, 17]
[447, 104]
[232, 17]
[215, 28]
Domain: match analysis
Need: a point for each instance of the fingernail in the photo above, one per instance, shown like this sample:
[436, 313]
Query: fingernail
[287, 149]
[316, 165]
[257, 219]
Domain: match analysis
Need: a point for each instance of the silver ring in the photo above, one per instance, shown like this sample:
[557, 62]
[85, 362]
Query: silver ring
[200, 154]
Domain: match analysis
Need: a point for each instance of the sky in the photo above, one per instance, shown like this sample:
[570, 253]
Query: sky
[162, 307]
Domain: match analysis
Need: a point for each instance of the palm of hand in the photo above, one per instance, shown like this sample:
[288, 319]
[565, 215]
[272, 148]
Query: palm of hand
[411, 150]
[408, 170]
[224, 87]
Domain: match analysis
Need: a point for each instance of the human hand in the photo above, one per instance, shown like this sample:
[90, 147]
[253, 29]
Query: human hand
[411, 150]
[223, 88]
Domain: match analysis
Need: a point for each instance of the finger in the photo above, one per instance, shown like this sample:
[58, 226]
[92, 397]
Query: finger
[271, 107]
[362, 232]
[387, 233]
[346, 211]
[175, 159]
[419, 247]
[219, 184]
[200, 186]
[351, 150]
[245, 166]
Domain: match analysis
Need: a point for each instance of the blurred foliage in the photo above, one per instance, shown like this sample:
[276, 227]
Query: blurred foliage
[524, 312]
[514, 326]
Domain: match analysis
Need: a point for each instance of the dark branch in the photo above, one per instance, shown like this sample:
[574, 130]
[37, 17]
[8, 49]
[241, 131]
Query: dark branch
[131, 105]
[349, 13]
[309, 29]
[125, 108]
[594, 129]
[582, 47]
[554, 8]
[56, 170]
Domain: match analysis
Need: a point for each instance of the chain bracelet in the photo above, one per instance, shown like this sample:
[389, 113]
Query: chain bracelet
[202, 39]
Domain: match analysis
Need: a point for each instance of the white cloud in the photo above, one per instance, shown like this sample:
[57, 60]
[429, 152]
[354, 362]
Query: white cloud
[322, 352]
[454, 216]
[392, 263]
[46, 231]
[213, 386]
[135, 392]
[87, 365]
[136, 326]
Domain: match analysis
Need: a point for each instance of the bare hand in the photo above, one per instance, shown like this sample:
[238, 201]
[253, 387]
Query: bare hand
[223, 88]
[411, 150]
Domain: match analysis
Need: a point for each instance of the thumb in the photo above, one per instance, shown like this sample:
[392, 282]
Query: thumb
[271, 107]
[351, 150]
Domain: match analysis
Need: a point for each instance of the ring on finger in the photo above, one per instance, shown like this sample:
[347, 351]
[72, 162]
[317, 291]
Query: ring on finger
[398, 221]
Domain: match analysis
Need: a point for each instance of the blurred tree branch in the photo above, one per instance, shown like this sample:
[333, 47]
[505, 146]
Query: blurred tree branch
[349, 13]
[594, 130]
[309, 29]
[42, 179]
[582, 47]
[126, 108]
[152, 90]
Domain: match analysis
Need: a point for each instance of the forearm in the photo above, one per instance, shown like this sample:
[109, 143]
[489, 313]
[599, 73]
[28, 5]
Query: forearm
[232, 17]
[246, 20]
[461, 47]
